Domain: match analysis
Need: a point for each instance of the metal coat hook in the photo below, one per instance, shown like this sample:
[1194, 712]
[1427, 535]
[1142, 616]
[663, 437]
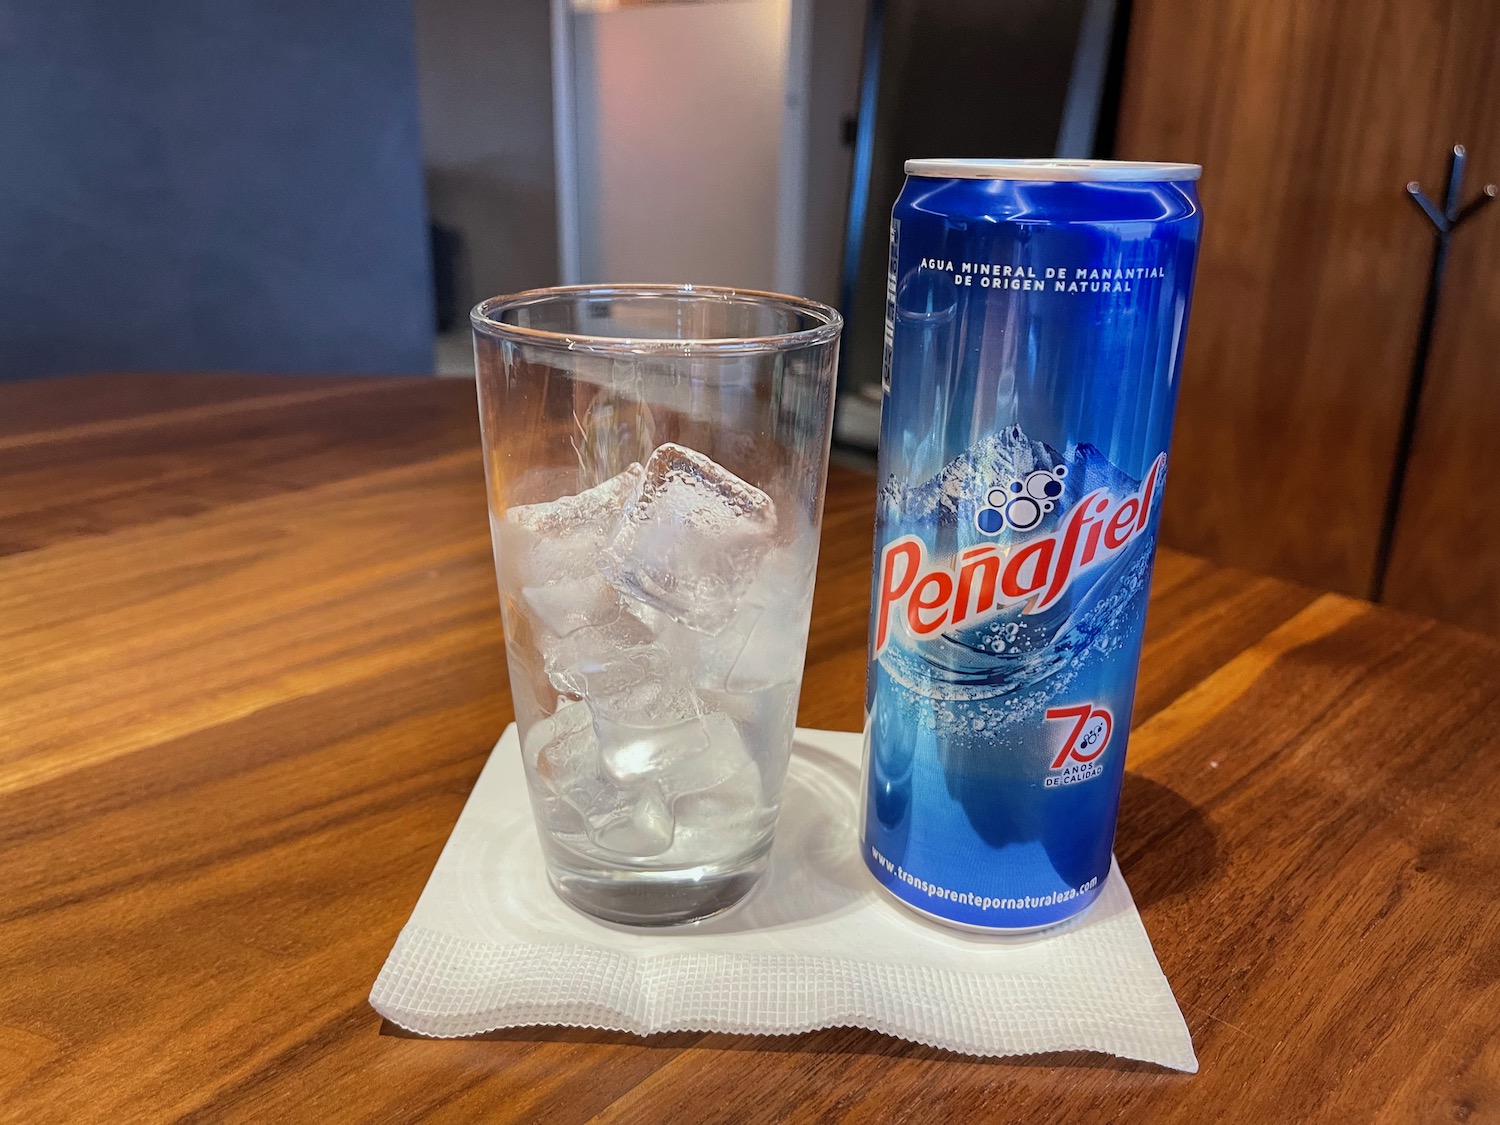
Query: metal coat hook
[1448, 219]
[1445, 221]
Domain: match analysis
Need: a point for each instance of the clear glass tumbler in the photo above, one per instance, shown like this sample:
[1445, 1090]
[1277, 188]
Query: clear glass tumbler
[656, 458]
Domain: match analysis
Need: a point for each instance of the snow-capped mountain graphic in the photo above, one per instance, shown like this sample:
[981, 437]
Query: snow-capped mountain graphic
[953, 497]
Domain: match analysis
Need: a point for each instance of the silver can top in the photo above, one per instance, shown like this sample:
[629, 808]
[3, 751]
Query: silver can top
[1054, 171]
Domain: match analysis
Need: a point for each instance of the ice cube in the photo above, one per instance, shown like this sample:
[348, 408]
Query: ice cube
[583, 512]
[764, 717]
[661, 626]
[726, 758]
[704, 659]
[686, 757]
[561, 748]
[531, 690]
[563, 538]
[773, 652]
[633, 754]
[646, 829]
[712, 658]
[776, 644]
[573, 603]
[766, 720]
[600, 660]
[728, 818]
[564, 753]
[765, 640]
[722, 822]
[628, 672]
[650, 726]
[762, 646]
[524, 558]
[689, 542]
[661, 697]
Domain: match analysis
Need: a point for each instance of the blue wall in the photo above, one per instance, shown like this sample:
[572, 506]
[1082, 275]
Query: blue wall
[211, 184]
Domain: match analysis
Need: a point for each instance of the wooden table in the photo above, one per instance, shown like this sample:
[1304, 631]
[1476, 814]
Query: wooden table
[252, 664]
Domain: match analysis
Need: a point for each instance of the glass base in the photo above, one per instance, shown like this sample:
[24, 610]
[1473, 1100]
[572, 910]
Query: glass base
[635, 897]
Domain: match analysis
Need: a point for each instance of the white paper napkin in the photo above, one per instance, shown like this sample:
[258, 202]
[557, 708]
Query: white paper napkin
[817, 944]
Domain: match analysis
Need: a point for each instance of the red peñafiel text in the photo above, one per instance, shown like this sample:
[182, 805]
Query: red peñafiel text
[930, 596]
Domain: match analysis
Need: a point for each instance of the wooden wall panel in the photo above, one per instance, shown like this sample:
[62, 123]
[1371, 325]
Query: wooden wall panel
[1446, 559]
[1309, 119]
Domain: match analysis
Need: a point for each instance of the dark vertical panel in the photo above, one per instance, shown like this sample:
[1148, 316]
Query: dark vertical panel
[230, 185]
[976, 78]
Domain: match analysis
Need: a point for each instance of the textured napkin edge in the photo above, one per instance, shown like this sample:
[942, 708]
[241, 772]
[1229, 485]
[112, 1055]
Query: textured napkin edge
[475, 987]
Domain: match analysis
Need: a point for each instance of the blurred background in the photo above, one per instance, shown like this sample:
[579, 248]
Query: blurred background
[273, 187]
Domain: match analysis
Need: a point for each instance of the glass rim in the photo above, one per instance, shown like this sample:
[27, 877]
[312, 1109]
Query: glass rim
[830, 321]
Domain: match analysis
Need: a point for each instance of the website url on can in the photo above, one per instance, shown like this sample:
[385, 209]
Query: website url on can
[984, 902]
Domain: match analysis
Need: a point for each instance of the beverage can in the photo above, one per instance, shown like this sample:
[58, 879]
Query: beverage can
[1035, 322]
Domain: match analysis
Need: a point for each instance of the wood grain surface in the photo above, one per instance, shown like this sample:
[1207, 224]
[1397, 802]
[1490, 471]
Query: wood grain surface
[252, 665]
[1309, 118]
[1446, 557]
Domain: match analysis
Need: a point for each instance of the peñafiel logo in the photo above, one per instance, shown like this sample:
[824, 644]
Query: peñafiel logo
[990, 578]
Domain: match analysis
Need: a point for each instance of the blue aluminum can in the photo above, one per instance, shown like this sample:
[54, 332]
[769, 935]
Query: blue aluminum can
[1036, 312]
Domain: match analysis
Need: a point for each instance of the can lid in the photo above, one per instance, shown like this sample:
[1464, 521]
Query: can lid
[1054, 171]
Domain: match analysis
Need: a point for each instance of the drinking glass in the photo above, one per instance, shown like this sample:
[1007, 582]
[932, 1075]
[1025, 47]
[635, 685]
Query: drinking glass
[656, 459]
